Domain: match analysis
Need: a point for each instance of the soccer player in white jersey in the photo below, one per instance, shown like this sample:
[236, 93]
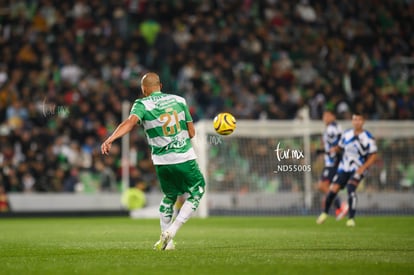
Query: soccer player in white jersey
[331, 137]
[359, 153]
[169, 128]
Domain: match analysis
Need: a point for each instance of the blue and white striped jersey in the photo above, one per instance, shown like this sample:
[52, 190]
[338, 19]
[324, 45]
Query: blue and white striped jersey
[331, 137]
[356, 149]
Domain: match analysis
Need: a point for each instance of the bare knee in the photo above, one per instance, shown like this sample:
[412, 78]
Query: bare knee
[335, 188]
[323, 186]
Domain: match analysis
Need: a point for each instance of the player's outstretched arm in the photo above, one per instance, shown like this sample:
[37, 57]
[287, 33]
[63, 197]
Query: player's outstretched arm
[123, 128]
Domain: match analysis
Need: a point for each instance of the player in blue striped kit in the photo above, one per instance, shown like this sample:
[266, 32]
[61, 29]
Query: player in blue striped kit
[359, 153]
[331, 137]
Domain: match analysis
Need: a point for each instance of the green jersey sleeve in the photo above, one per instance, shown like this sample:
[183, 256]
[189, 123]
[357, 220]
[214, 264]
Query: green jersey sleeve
[138, 109]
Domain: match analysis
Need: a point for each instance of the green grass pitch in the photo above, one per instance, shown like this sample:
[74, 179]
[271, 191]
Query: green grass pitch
[216, 245]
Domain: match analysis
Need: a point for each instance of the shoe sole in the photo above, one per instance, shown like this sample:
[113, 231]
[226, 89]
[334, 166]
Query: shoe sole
[163, 242]
[321, 221]
[165, 239]
[342, 214]
[350, 225]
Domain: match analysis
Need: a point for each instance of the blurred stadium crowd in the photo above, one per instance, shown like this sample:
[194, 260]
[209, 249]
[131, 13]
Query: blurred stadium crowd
[67, 66]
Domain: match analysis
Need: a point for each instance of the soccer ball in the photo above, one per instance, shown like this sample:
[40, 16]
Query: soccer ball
[224, 124]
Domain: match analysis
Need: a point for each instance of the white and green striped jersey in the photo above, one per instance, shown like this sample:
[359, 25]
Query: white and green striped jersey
[164, 118]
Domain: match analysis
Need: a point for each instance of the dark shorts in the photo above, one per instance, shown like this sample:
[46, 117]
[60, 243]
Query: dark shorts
[328, 173]
[343, 178]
